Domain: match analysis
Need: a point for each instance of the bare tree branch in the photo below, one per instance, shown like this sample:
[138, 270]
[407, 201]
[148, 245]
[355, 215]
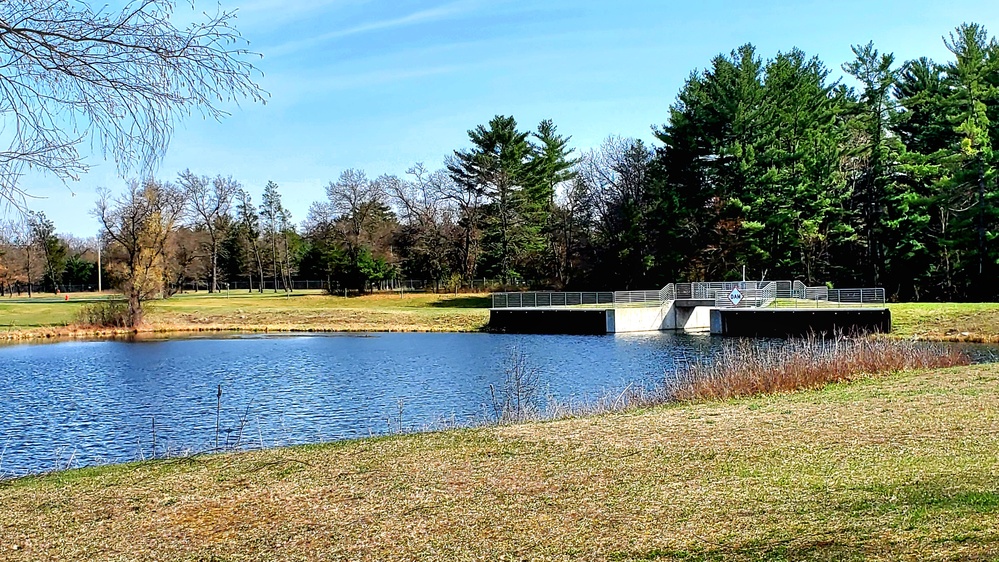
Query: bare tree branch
[69, 73]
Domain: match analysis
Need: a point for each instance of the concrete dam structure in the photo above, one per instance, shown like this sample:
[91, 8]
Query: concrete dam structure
[770, 309]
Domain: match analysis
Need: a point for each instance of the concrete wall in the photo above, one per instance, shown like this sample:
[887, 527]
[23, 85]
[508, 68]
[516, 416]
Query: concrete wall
[548, 320]
[599, 321]
[697, 319]
[780, 322]
[690, 316]
[650, 319]
[639, 319]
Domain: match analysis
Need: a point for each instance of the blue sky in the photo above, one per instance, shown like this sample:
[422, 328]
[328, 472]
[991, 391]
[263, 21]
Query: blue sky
[381, 85]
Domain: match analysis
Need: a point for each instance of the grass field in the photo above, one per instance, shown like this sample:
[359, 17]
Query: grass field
[976, 322]
[49, 316]
[896, 468]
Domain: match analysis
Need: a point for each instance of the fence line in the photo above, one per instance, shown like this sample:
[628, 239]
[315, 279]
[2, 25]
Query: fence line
[751, 294]
[548, 299]
[411, 285]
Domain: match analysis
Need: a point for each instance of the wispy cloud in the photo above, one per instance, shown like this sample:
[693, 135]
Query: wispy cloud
[440, 13]
[264, 18]
[292, 91]
[282, 9]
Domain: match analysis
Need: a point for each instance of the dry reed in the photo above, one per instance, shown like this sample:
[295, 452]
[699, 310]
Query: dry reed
[747, 369]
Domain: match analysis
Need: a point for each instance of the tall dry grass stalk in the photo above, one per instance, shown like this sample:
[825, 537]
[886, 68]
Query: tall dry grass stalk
[746, 369]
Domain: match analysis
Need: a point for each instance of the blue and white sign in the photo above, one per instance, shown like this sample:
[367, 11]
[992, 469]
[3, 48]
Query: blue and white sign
[735, 297]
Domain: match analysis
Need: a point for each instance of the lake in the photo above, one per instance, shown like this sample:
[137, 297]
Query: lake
[75, 403]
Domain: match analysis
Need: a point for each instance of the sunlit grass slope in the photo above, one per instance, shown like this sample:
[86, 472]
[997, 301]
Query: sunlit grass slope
[947, 321]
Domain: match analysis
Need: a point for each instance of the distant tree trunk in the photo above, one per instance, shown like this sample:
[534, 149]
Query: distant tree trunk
[274, 260]
[287, 263]
[260, 270]
[214, 287]
[260, 266]
[27, 252]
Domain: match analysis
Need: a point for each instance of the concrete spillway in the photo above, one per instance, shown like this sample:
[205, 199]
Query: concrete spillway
[690, 315]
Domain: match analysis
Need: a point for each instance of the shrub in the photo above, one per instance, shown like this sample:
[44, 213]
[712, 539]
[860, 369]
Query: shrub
[104, 314]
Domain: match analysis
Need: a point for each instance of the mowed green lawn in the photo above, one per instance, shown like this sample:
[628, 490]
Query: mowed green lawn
[304, 310]
[896, 468]
[317, 311]
[37, 313]
[947, 321]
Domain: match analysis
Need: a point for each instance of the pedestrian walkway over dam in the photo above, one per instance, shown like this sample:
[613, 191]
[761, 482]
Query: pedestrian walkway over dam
[738, 308]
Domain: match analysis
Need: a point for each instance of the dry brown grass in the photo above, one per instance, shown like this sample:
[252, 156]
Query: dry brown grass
[747, 369]
[896, 468]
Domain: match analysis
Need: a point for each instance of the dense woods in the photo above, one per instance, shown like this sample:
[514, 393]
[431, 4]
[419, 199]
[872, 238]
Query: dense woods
[882, 174]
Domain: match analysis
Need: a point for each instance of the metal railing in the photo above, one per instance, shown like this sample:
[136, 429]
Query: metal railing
[768, 294]
[549, 299]
[704, 290]
[823, 297]
[798, 289]
[642, 298]
[751, 294]
[667, 293]
[760, 295]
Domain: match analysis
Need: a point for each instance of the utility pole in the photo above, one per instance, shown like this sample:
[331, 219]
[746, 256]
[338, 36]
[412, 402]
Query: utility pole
[99, 263]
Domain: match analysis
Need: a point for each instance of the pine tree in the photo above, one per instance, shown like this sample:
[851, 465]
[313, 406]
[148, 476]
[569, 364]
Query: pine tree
[498, 169]
[271, 213]
[552, 170]
[876, 152]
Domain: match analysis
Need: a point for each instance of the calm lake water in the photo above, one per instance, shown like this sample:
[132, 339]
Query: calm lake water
[81, 403]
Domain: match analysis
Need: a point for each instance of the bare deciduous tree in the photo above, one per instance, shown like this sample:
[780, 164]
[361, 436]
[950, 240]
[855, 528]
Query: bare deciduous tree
[20, 261]
[209, 206]
[354, 201]
[137, 225]
[427, 220]
[69, 72]
[469, 208]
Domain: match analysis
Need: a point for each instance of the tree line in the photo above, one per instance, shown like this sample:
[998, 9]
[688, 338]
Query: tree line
[775, 166]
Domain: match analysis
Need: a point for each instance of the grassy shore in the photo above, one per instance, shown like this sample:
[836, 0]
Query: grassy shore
[958, 322]
[50, 316]
[902, 467]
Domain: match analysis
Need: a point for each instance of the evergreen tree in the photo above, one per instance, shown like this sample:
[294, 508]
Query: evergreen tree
[272, 215]
[875, 151]
[54, 251]
[498, 168]
[973, 76]
[552, 170]
[249, 233]
[950, 166]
